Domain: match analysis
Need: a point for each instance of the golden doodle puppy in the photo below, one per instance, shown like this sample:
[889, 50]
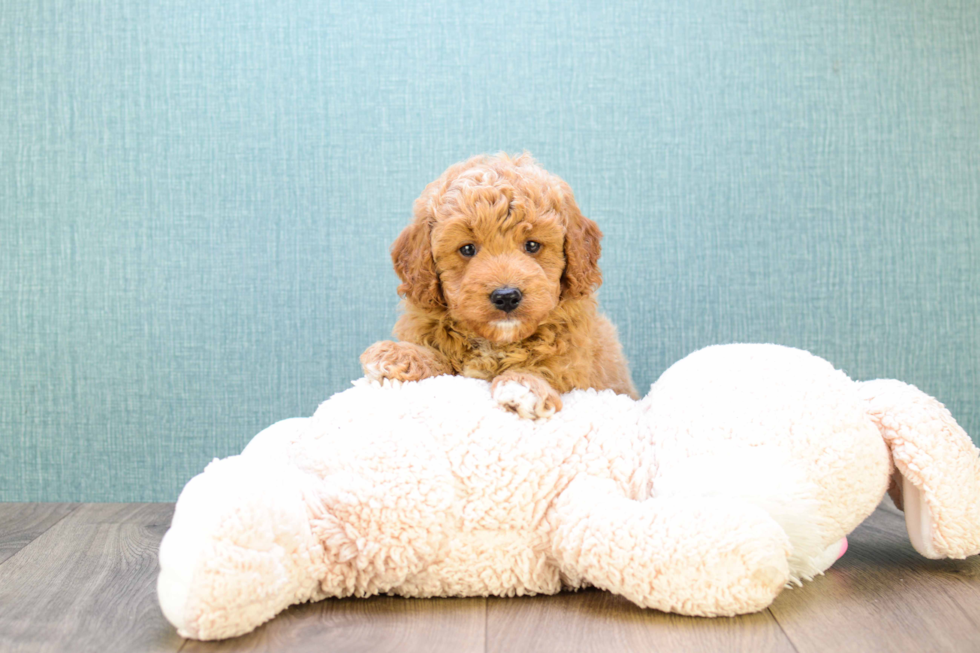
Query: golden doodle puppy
[499, 270]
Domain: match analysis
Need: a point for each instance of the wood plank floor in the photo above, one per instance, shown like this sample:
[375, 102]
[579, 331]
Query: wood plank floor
[81, 577]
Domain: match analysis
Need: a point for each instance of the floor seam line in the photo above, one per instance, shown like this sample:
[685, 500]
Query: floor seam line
[16, 553]
[782, 630]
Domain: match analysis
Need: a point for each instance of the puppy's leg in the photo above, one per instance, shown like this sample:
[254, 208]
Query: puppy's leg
[525, 393]
[402, 361]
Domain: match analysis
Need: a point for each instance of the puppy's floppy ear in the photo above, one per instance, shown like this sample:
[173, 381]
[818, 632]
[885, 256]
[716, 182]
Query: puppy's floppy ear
[412, 255]
[582, 274]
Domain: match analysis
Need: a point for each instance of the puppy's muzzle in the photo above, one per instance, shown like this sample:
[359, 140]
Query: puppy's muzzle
[506, 299]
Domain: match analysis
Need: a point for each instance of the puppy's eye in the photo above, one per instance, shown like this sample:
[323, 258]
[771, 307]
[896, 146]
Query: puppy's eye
[532, 246]
[467, 250]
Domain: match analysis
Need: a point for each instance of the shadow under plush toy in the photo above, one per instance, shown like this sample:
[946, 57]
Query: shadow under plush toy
[740, 473]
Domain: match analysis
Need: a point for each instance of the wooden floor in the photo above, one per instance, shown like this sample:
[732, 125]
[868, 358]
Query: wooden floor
[81, 577]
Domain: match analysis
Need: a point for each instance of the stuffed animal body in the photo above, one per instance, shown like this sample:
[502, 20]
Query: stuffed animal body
[739, 474]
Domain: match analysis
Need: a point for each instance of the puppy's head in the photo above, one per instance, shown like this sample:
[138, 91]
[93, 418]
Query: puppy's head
[498, 242]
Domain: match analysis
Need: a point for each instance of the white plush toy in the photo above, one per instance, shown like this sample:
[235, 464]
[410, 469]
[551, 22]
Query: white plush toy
[739, 474]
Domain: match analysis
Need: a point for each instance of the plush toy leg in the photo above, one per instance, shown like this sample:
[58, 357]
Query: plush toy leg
[939, 466]
[239, 549]
[693, 556]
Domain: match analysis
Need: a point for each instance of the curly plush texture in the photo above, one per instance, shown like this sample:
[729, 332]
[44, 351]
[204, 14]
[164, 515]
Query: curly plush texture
[739, 474]
[497, 205]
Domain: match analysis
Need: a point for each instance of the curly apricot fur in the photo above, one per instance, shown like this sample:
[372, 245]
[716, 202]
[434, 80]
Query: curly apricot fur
[402, 361]
[548, 399]
[497, 204]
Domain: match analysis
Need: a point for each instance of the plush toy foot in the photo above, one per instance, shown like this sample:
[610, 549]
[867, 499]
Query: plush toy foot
[939, 466]
[831, 554]
[239, 549]
[694, 556]
[526, 394]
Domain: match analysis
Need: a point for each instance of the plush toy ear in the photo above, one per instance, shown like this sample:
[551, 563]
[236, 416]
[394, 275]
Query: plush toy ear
[412, 256]
[938, 486]
[582, 274]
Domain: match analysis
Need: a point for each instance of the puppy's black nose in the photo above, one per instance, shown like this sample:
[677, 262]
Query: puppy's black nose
[506, 299]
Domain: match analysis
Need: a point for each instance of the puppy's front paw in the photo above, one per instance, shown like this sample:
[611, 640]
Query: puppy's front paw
[400, 361]
[528, 395]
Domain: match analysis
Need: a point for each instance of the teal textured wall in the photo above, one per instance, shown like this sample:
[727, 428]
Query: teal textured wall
[197, 199]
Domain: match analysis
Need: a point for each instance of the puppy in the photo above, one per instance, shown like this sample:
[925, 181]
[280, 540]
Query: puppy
[499, 270]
